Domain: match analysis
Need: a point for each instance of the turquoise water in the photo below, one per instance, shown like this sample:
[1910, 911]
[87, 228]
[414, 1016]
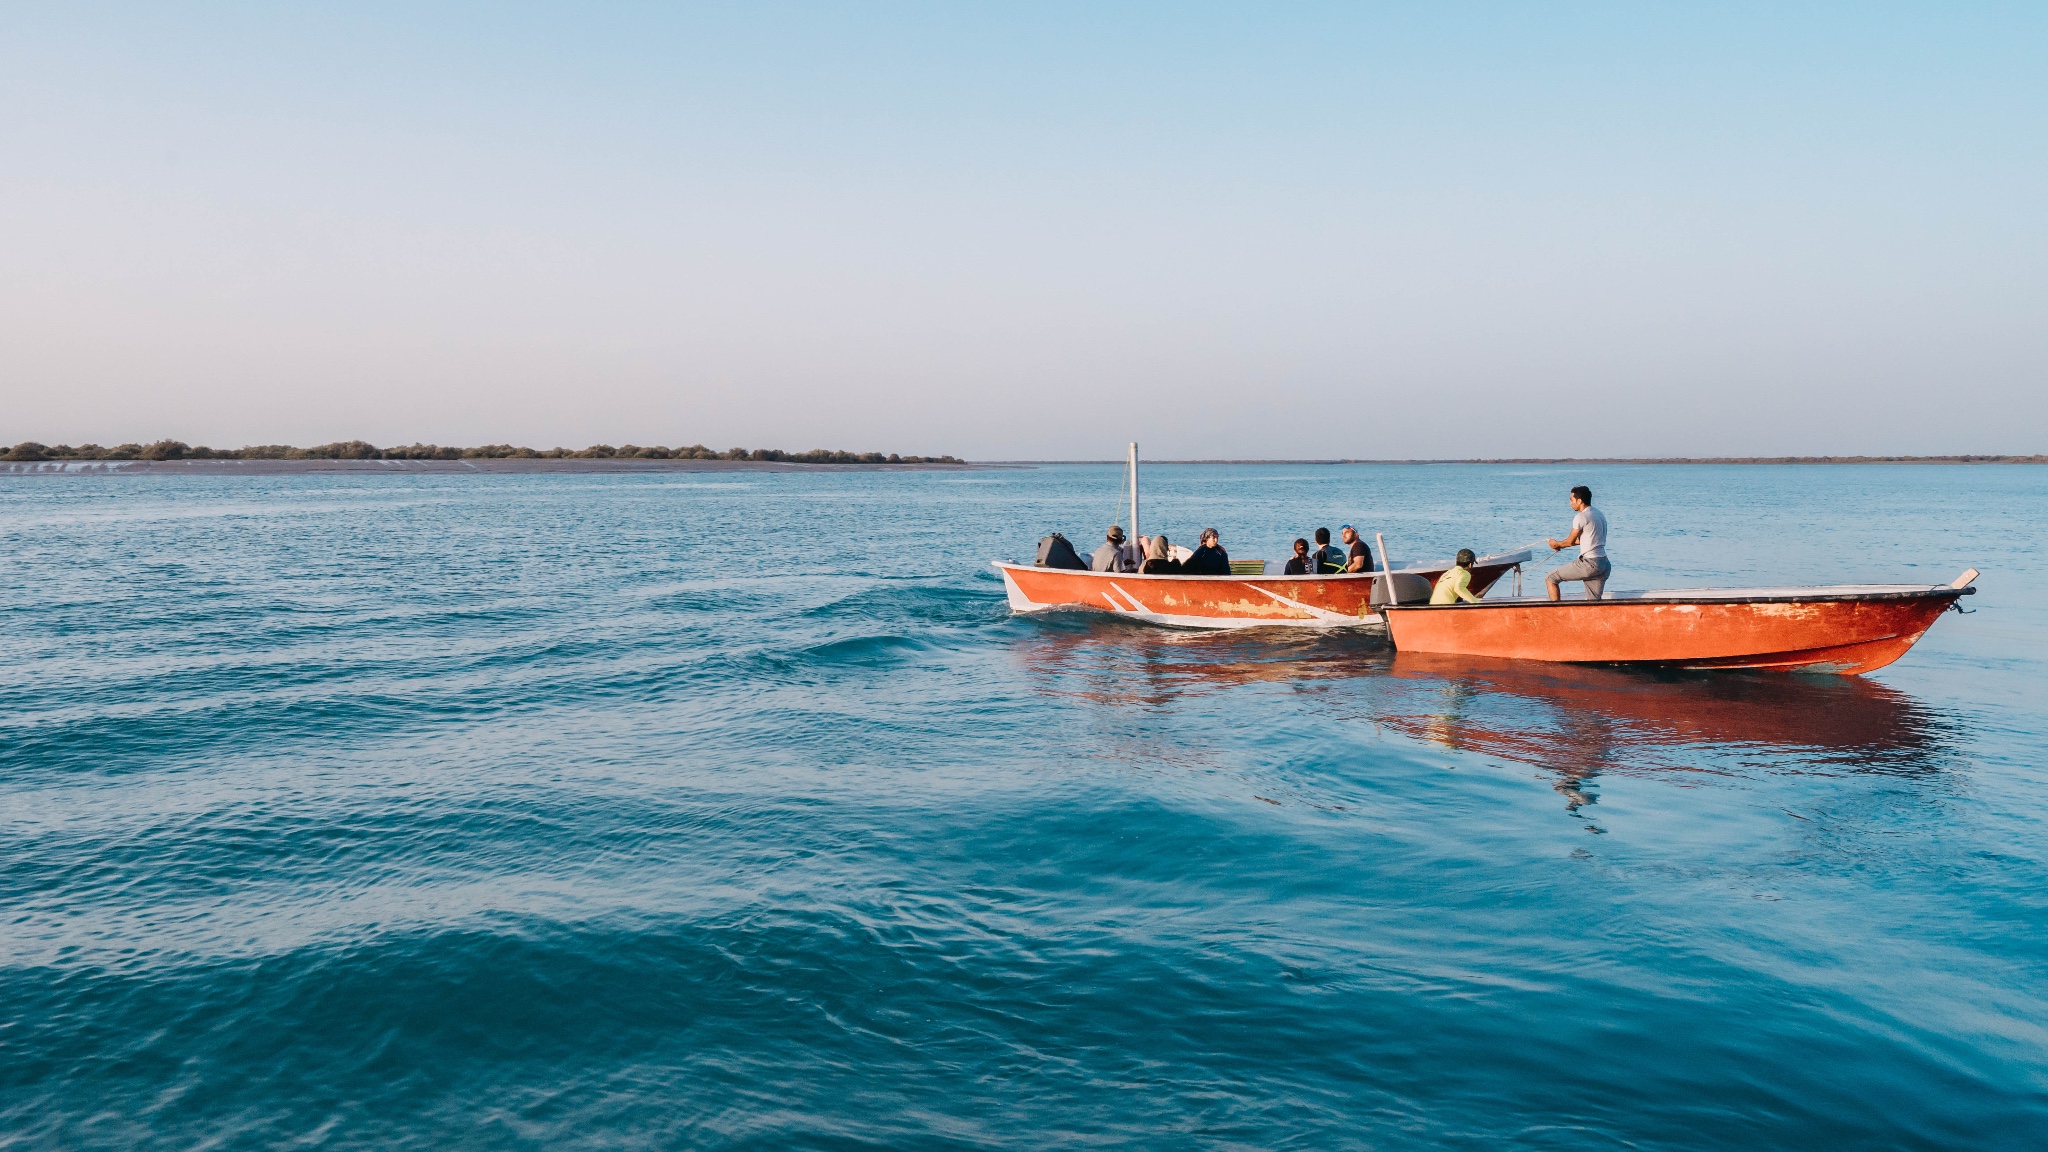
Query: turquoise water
[714, 811]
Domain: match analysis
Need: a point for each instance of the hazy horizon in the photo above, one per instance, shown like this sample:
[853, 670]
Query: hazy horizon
[1308, 233]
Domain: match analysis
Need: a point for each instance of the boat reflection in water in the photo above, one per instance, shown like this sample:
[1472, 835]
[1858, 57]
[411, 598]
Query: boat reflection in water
[1109, 660]
[1581, 721]
[1576, 721]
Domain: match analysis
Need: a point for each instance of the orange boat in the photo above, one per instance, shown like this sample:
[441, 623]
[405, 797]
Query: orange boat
[1848, 629]
[1245, 599]
[1249, 601]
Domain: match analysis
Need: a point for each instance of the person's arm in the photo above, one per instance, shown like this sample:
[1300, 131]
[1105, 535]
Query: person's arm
[1560, 545]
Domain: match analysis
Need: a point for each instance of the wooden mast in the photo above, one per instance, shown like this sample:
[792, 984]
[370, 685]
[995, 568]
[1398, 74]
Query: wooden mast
[1134, 496]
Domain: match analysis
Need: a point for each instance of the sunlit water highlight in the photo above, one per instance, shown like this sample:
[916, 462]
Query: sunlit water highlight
[603, 811]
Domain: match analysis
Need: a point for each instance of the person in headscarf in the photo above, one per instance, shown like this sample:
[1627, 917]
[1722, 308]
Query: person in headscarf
[1159, 559]
[1210, 559]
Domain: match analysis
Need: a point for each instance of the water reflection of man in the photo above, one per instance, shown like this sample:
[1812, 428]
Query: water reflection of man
[1571, 786]
[1468, 718]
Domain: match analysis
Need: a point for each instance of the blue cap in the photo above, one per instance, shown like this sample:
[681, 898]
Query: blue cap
[1347, 528]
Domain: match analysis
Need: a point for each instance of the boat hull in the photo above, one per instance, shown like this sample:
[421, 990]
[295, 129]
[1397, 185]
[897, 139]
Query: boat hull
[1343, 601]
[1848, 631]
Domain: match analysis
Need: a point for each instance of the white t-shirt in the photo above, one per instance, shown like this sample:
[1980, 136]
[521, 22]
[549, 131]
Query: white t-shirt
[1592, 529]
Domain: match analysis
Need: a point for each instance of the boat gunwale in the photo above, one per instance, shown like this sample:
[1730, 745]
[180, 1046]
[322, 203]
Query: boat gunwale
[1370, 574]
[1817, 595]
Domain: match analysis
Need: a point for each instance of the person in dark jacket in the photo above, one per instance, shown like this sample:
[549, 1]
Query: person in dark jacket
[1299, 564]
[1210, 559]
[1159, 559]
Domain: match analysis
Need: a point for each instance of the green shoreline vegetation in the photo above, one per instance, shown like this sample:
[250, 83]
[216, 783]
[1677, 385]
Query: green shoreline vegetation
[29, 450]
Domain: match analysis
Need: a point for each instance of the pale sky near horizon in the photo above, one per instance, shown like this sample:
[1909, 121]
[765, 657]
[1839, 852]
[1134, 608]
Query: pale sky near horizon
[1030, 231]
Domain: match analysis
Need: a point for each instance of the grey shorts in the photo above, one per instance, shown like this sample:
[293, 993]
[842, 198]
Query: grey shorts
[1593, 572]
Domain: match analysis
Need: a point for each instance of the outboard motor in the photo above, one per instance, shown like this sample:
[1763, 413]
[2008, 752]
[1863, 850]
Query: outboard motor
[1409, 588]
[1055, 552]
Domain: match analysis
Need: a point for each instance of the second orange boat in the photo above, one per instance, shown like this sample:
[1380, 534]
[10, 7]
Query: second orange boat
[1848, 629]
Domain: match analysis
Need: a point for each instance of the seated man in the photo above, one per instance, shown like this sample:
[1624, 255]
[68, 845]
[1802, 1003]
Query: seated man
[1299, 564]
[1358, 558]
[1210, 559]
[1456, 584]
[1329, 560]
[1114, 556]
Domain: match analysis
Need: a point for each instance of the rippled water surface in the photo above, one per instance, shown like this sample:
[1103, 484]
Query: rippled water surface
[735, 810]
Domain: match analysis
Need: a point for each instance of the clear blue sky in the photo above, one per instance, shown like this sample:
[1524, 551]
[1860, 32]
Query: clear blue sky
[1030, 231]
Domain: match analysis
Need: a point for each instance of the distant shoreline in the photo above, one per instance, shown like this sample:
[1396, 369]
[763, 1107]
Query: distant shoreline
[565, 466]
[619, 465]
[1606, 460]
[177, 451]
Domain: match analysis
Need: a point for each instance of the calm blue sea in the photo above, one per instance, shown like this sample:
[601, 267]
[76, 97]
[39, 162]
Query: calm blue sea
[736, 811]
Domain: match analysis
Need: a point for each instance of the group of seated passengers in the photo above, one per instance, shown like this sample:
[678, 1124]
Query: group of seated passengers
[1153, 556]
[1451, 587]
[1327, 559]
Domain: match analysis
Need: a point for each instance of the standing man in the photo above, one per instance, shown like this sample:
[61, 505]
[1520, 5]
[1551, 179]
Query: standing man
[1114, 555]
[1359, 558]
[1589, 532]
